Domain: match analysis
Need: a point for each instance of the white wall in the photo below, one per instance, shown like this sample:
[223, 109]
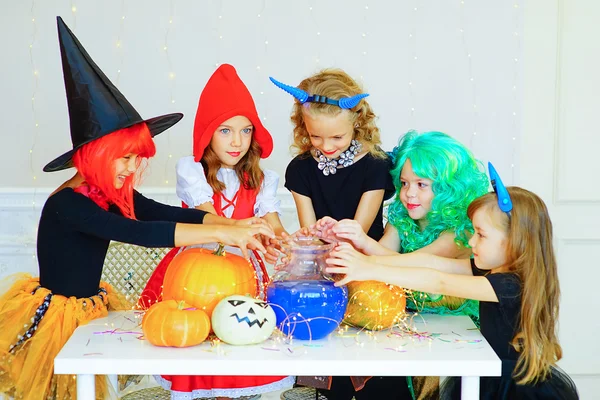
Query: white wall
[559, 162]
[416, 42]
[539, 87]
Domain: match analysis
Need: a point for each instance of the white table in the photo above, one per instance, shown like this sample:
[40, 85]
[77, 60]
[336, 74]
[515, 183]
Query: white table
[451, 347]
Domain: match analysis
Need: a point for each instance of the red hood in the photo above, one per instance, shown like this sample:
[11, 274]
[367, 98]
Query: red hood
[224, 97]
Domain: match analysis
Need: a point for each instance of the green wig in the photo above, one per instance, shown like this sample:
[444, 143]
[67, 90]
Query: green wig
[458, 178]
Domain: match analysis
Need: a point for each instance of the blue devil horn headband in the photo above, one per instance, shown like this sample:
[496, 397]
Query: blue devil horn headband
[504, 201]
[303, 97]
[300, 94]
[351, 102]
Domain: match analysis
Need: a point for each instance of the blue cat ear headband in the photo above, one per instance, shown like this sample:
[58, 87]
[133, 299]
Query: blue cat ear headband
[303, 97]
[504, 201]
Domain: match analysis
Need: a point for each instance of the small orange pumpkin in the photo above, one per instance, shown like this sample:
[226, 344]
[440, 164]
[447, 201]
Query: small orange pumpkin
[202, 278]
[171, 324]
[374, 305]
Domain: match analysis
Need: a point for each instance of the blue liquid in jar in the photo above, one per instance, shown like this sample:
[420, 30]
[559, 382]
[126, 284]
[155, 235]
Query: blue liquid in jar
[307, 309]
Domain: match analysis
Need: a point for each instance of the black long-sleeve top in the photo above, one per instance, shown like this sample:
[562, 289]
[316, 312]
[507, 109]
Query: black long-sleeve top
[339, 195]
[74, 234]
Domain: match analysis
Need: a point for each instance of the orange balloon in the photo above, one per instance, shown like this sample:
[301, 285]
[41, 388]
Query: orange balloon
[202, 278]
[374, 305]
[170, 324]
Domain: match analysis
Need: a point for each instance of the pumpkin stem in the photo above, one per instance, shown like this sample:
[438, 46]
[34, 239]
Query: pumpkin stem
[181, 305]
[220, 250]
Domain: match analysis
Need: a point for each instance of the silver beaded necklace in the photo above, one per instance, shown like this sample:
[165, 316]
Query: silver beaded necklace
[329, 166]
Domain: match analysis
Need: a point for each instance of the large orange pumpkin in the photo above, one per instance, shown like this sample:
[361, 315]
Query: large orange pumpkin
[202, 278]
[374, 305]
[172, 323]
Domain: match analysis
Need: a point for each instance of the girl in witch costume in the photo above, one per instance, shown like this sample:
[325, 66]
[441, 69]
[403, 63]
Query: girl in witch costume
[224, 177]
[342, 173]
[110, 142]
[513, 263]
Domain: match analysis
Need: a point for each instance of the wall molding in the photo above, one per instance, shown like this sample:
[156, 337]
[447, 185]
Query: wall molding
[559, 130]
[20, 210]
[579, 240]
[33, 199]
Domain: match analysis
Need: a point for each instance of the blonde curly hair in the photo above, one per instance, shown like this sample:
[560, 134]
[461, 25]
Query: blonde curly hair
[335, 84]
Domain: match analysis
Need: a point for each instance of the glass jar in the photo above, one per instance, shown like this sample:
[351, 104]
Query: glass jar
[306, 302]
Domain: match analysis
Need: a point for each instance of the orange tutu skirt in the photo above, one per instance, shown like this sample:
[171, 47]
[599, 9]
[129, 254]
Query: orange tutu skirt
[28, 345]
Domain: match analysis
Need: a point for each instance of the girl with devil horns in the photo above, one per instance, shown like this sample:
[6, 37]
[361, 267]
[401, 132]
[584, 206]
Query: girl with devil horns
[339, 172]
[224, 177]
[111, 143]
[513, 264]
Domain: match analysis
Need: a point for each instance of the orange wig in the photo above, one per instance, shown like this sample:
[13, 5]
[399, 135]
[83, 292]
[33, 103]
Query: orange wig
[95, 162]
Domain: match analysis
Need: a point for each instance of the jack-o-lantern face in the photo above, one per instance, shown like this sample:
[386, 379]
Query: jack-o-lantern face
[243, 320]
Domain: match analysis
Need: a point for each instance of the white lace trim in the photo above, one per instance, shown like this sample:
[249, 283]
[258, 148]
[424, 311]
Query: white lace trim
[233, 393]
[193, 188]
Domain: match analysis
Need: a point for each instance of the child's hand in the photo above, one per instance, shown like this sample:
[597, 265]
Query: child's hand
[283, 262]
[349, 230]
[278, 245]
[301, 232]
[322, 229]
[344, 259]
[272, 245]
[252, 221]
[245, 237]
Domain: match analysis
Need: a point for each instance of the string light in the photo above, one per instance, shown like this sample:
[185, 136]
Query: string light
[219, 34]
[412, 64]
[171, 76]
[515, 124]
[260, 76]
[318, 31]
[35, 74]
[74, 12]
[119, 43]
[469, 57]
[364, 46]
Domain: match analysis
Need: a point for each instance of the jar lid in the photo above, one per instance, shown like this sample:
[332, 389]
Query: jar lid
[309, 243]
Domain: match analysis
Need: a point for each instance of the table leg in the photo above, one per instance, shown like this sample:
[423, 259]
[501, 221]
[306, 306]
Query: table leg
[470, 388]
[86, 387]
[114, 381]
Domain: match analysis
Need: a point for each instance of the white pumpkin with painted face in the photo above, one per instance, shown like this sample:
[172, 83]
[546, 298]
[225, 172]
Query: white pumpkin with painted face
[241, 320]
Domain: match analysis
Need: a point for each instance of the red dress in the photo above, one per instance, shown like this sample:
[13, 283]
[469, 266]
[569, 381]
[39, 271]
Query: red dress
[243, 208]
[191, 387]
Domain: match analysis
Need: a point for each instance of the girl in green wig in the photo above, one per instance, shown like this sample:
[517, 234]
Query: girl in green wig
[436, 178]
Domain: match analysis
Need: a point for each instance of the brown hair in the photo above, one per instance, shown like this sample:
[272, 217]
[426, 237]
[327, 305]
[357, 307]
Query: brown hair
[247, 170]
[335, 84]
[530, 256]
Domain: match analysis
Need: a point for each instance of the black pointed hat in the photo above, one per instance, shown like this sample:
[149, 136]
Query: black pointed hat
[96, 106]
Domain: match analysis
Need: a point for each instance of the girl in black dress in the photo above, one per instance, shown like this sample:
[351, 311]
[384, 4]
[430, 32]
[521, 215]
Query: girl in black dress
[340, 172]
[513, 275]
[98, 204]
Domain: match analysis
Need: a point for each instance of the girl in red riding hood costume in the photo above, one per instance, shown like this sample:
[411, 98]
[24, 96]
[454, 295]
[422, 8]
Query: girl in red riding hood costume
[80, 218]
[224, 177]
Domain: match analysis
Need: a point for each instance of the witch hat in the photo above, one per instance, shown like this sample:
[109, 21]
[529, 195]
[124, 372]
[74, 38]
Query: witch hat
[96, 106]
